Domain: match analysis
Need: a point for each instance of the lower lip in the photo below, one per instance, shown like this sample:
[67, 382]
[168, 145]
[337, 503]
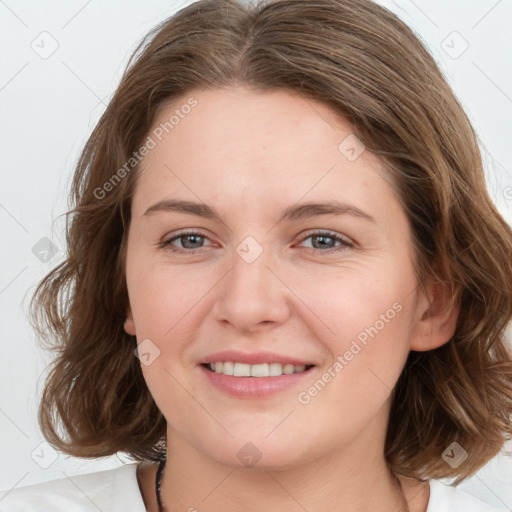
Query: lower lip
[254, 387]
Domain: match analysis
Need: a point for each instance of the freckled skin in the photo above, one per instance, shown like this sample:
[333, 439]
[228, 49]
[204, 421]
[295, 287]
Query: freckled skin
[250, 155]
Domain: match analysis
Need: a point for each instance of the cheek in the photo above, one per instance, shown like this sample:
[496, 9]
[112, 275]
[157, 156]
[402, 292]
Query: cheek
[163, 299]
[355, 301]
[364, 320]
[368, 351]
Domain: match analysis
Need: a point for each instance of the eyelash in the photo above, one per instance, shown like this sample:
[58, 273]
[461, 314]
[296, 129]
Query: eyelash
[328, 234]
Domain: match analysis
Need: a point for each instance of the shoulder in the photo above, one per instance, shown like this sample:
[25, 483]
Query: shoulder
[445, 498]
[114, 490]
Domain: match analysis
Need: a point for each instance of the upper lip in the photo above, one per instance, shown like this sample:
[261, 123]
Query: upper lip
[253, 358]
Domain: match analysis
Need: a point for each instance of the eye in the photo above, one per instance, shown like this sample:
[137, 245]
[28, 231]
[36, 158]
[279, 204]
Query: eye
[191, 242]
[186, 239]
[323, 238]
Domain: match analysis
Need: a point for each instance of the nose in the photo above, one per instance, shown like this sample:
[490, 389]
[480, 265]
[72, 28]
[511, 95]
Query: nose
[252, 294]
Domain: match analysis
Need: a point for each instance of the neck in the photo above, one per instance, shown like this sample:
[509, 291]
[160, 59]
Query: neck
[192, 481]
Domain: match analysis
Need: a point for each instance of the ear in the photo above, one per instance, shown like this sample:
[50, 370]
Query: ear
[437, 314]
[129, 324]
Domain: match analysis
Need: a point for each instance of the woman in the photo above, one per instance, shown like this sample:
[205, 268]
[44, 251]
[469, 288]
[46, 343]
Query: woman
[263, 368]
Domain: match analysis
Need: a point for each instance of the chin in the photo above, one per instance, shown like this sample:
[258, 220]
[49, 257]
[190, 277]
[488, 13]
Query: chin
[255, 454]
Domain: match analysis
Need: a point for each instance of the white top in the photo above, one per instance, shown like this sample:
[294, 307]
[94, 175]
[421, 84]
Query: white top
[117, 490]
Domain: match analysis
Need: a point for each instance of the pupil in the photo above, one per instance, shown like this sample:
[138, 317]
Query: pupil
[322, 237]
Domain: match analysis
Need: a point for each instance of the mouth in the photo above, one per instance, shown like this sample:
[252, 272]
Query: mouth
[256, 375]
[238, 369]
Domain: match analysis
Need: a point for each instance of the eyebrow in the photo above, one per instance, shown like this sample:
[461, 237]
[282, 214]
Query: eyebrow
[294, 212]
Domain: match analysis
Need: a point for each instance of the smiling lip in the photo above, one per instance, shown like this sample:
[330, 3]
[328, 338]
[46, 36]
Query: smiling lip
[253, 387]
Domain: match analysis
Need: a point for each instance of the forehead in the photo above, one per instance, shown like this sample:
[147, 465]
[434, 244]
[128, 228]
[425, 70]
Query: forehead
[247, 125]
[251, 147]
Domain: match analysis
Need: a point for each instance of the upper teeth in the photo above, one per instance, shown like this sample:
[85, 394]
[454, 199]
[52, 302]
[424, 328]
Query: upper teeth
[255, 370]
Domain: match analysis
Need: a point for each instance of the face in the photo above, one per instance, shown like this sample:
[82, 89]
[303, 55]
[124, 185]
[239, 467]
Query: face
[257, 277]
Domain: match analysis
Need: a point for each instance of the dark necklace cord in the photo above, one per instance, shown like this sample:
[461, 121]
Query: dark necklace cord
[158, 484]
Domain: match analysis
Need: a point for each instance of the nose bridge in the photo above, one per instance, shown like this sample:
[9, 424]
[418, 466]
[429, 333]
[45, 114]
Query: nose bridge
[250, 277]
[251, 293]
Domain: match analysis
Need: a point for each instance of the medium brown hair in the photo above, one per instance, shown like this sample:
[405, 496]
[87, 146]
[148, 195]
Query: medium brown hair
[368, 66]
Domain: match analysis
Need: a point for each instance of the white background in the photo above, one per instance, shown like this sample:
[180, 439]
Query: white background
[48, 107]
